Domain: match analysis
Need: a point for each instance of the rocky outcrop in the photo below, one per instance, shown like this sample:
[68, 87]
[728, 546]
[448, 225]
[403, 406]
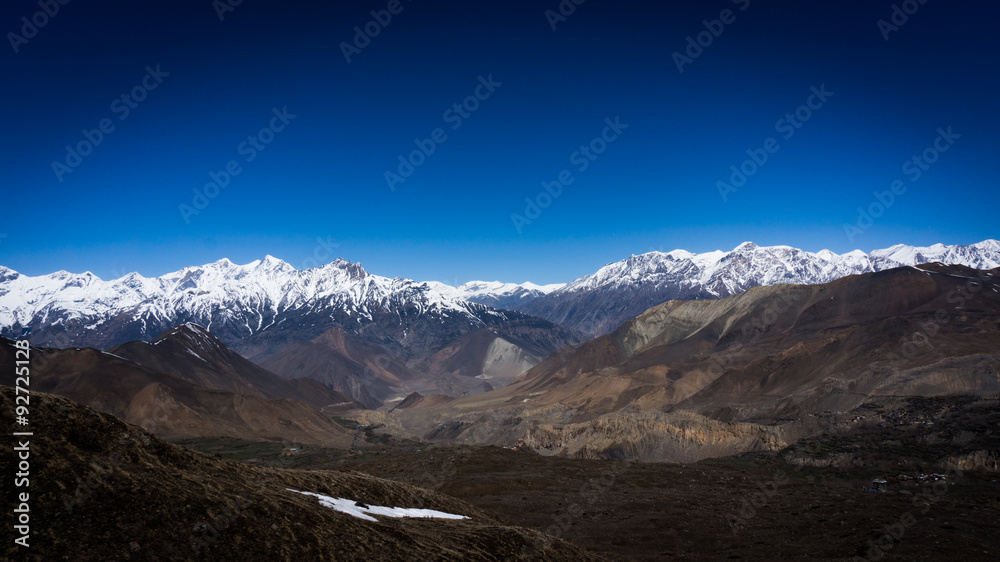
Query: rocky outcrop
[981, 461]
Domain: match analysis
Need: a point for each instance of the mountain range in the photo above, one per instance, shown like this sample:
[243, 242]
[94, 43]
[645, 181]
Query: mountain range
[597, 304]
[377, 339]
[401, 336]
[682, 381]
[692, 379]
[238, 302]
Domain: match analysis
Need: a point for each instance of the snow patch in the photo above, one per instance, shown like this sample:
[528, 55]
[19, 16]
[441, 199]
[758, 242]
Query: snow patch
[361, 511]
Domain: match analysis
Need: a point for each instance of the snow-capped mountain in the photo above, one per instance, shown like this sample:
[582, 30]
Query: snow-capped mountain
[238, 303]
[267, 304]
[598, 303]
[498, 294]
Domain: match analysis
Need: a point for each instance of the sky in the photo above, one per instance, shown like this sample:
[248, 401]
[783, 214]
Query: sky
[418, 137]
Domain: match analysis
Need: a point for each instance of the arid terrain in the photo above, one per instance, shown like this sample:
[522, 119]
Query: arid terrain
[102, 489]
[810, 501]
[854, 419]
[689, 380]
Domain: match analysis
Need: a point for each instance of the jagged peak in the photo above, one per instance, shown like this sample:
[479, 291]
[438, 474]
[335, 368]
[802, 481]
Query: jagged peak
[354, 269]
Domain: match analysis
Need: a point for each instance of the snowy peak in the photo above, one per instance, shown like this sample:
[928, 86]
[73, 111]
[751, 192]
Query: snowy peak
[502, 295]
[229, 300]
[190, 332]
[749, 264]
[475, 288]
[598, 303]
[239, 301]
[271, 264]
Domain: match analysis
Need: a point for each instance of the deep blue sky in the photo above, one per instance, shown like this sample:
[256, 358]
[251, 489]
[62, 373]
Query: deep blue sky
[323, 175]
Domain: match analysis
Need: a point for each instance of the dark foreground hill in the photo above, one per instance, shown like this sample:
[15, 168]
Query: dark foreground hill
[102, 489]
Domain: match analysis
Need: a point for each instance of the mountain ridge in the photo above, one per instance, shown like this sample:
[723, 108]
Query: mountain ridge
[265, 306]
[598, 303]
[692, 379]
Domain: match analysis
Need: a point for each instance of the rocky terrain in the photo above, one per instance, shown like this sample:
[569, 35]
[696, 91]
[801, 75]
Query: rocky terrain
[195, 398]
[476, 361]
[811, 500]
[102, 489]
[736, 509]
[694, 379]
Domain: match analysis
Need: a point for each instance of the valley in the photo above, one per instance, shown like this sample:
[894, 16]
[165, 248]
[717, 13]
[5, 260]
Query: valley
[810, 500]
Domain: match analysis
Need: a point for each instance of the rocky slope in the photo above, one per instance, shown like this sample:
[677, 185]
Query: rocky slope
[102, 489]
[691, 379]
[192, 353]
[173, 406]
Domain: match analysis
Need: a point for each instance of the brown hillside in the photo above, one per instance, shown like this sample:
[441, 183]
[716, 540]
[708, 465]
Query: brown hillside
[692, 379]
[169, 406]
[191, 353]
[102, 489]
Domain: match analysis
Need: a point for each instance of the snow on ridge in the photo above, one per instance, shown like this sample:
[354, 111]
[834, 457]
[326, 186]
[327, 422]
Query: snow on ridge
[499, 288]
[749, 264]
[255, 294]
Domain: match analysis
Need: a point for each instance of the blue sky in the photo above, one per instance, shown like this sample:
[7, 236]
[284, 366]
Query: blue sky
[322, 176]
